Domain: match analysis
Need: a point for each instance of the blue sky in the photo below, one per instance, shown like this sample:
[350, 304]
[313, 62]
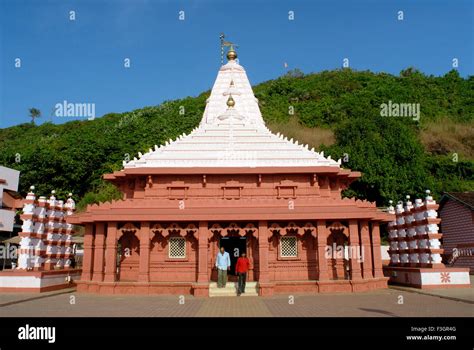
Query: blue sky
[82, 61]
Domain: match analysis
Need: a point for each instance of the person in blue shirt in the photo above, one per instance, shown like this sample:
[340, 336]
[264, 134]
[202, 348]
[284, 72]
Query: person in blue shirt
[222, 265]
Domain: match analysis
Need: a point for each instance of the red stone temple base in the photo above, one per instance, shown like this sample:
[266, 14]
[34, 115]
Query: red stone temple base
[426, 278]
[173, 288]
[330, 286]
[202, 289]
[38, 281]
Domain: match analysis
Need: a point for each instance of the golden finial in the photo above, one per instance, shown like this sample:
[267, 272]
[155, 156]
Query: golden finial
[231, 54]
[230, 102]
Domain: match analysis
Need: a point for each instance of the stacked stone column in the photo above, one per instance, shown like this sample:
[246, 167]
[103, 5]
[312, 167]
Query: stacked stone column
[413, 235]
[46, 237]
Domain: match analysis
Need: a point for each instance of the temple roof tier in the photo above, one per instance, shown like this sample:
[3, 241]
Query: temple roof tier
[232, 133]
[327, 170]
[224, 209]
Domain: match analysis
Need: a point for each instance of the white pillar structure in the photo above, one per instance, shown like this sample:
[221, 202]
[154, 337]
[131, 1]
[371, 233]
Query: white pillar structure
[46, 237]
[414, 234]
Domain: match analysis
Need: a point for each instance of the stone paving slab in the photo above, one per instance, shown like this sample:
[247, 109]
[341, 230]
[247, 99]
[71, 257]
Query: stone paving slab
[459, 294]
[388, 302]
[88, 305]
[234, 307]
[9, 298]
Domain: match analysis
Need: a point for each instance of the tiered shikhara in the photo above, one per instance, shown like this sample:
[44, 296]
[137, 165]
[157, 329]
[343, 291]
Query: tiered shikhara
[414, 237]
[46, 237]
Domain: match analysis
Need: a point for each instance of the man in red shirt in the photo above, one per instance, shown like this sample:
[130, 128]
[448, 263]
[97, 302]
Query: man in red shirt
[241, 268]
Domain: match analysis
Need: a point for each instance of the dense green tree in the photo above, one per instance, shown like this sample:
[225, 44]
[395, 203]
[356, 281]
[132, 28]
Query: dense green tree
[388, 154]
[34, 113]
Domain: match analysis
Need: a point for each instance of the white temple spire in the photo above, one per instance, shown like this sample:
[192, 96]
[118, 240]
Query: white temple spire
[231, 121]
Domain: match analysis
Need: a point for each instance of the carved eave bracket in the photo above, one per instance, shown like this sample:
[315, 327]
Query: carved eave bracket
[232, 229]
[127, 228]
[274, 229]
[157, 229]
[192, 229]
[292, 229]
[250, 229]
[175, 229]
[215, 229]
[310, 228]
[337, 226]
[149, 181]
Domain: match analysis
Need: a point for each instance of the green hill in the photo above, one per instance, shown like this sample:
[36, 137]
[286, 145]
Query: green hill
[336, 111]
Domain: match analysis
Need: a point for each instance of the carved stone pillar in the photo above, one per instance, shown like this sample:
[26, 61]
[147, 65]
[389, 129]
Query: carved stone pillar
[144, 267]
[321, 242]
[99, 241]
[366, 250]
[356, 273]
[203, 259]
[263, 275]
[111, 253]
[88, 259]
[376, 250]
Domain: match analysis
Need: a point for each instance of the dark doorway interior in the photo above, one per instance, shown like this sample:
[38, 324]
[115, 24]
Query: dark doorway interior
[234, 246]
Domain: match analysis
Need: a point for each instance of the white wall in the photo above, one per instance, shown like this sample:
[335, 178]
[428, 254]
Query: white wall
[384, 249]
[12, 177]
[7, 217]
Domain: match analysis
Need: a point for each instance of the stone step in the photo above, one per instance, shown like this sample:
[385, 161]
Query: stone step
[231, 289]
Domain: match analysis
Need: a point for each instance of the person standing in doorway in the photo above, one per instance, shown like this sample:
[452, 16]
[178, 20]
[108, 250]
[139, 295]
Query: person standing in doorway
[222, 265]
[241, 269]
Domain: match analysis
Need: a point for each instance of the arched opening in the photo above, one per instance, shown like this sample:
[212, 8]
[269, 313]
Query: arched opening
[129, 257]
[337, 258]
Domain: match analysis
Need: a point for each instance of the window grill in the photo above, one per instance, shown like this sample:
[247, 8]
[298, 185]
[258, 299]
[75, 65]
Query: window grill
[177, 248]
[288, 247]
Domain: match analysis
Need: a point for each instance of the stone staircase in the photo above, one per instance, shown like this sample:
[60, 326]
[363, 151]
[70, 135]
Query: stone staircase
[230, 290]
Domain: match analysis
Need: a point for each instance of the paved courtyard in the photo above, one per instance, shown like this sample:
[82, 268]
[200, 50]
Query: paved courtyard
[388, 302]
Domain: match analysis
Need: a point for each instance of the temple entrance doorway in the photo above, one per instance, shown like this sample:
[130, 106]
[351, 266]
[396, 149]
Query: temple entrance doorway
[234, 246]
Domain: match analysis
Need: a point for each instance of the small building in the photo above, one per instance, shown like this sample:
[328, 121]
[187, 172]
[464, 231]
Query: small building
[457, 224]
[10, 202]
